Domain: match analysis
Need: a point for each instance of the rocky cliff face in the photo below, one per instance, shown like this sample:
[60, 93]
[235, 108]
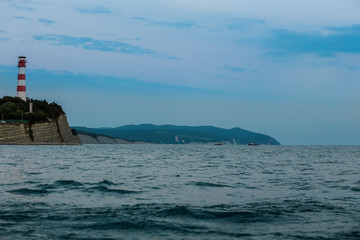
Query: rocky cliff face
[50, 133]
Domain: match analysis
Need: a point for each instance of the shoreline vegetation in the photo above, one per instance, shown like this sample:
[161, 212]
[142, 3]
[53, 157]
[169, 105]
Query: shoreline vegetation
[14, 110]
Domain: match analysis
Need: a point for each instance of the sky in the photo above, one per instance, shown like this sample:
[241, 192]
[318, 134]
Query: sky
[288, 69]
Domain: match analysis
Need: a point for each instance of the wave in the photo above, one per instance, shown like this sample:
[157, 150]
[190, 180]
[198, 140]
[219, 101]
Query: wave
[189, 222]
[229, 214]
[355, 234]
[104, 189]
[64, 185]
[61, 184]
[355, 189]
[106, 182]
[29, 191]
[208, 184]
[262, 194]
[67, 183]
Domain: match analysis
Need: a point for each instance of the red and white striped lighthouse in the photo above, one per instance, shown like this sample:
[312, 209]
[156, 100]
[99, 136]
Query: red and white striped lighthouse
[21, 86]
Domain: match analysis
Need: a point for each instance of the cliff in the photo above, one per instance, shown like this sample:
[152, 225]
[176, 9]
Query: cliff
[93, 138]
[51, 132]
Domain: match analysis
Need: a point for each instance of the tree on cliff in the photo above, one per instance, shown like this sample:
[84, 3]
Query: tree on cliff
[14, 108]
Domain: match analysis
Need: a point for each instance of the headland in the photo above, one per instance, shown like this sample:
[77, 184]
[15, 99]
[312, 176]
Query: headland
[34, 122]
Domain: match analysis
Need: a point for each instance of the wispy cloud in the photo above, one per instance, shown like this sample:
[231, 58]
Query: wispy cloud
[338, 40]
[46, 21]
[94, 10]
[87, 43]
[179, 24]
[2, 38]
[22, 18]
[20, 5]
[235, 69]
[168, 24]
[242, 23]
[348, 29]
[139, 18]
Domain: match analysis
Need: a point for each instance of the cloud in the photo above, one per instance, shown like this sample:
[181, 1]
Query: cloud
[38, 80]
[20, 5]
[223, 22]
[22, 18]
[349, 29]
[179, 24]
[46, 21]
[336, 40]
[242, 23]
[235, 69]
[2, 38]
[95, 10]
[168, 24]
[87, 43]
[139, 18]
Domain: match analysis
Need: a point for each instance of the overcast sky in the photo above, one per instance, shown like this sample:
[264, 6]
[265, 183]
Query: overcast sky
[286, 68]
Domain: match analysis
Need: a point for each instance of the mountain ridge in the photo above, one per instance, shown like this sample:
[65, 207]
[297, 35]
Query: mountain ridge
[172, 134]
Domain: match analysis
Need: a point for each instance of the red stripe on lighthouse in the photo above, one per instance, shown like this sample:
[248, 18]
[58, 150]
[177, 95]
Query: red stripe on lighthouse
[21, 76]
[21, 88]
[22, 63]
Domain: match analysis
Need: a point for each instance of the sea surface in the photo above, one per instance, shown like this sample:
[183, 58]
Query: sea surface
[179, 192]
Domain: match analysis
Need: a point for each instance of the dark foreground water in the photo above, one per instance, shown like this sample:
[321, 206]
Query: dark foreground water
[179, 192]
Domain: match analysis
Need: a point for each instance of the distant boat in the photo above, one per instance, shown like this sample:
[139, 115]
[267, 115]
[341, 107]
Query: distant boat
[218, 144]
[253, 144]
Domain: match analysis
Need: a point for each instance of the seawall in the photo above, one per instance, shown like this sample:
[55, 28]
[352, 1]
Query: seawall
[53, 132]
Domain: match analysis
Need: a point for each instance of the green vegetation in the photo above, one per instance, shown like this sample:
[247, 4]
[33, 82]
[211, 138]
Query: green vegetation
[16, 109]
[170, 134]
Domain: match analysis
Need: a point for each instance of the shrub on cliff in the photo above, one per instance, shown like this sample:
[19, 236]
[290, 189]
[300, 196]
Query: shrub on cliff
[15, 108]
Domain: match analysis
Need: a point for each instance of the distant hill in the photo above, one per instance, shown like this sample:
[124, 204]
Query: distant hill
[170, 134]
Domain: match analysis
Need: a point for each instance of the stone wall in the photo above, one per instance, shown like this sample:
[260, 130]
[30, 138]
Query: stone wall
[52, 132]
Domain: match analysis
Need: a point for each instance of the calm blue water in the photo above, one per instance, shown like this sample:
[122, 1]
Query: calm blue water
[179, 192]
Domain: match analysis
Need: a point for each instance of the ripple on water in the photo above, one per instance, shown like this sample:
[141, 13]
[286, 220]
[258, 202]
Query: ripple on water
[29, 191]
[103, 189]
[209, 184]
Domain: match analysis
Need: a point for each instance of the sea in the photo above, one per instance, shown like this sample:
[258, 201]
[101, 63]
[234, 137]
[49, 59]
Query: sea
[179, 192]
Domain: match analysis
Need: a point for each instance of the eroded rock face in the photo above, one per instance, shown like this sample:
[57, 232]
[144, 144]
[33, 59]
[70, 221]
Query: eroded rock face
[86, 139]
[51, 132]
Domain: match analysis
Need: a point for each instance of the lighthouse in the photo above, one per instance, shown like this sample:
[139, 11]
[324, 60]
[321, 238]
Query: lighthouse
[21, 86]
